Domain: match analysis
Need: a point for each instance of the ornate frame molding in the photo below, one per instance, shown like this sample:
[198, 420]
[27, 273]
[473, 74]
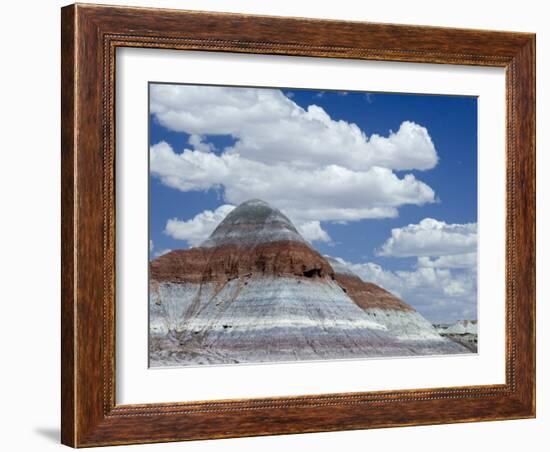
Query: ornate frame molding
[90, 37]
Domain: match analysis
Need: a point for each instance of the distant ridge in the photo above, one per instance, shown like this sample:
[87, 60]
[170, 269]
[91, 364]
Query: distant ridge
[463, 327]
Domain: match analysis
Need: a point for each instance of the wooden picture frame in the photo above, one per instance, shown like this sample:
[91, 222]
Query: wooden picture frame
[90, 36]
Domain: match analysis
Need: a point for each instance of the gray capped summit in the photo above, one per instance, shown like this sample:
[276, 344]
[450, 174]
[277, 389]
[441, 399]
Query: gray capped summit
[251, 223]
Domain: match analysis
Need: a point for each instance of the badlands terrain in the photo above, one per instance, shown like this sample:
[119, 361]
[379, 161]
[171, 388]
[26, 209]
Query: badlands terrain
[463, 332]
[257, 291]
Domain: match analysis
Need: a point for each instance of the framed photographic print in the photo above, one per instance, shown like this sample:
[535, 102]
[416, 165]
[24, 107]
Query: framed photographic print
[281, 225]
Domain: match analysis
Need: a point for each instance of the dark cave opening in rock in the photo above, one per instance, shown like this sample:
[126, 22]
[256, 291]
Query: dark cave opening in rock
[312, 272]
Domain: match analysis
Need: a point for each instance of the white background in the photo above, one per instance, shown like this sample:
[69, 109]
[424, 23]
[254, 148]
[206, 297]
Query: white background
[30, 224]
[137, 384]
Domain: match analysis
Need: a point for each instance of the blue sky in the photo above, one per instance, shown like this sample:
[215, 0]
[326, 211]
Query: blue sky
[430, 264]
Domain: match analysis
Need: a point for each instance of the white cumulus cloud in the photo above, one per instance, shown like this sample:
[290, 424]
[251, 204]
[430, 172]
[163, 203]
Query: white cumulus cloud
[301, 160]
[269, 127]
[312, 231]
[431, 238]
[199, 145]
[198, 228]
[443, 283]
[467, 260]
[326, 193]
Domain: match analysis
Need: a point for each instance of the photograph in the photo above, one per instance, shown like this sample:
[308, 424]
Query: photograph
[292, 224]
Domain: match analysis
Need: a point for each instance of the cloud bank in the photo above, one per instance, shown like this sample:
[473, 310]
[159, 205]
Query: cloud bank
[443, 283]
[330, 193]
[311, 166]
[271, 128]
[431, 238]
[440, 294]
[198, 228]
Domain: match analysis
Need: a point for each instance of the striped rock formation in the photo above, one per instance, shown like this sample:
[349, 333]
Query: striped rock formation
[401, 319]
[462, 327]
[256, 291]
